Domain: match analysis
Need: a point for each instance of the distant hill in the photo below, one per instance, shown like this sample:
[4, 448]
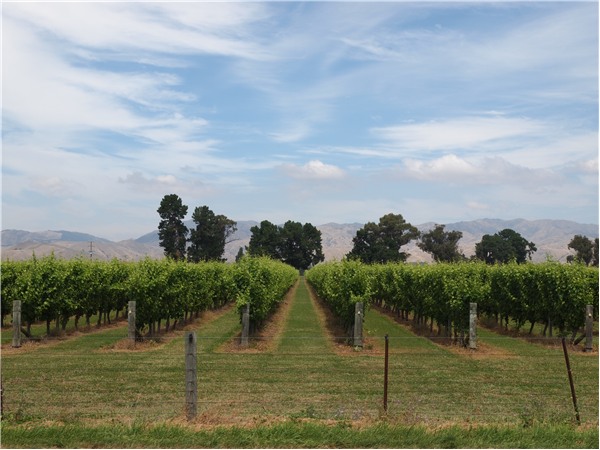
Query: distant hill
[12, 237]
[550, 236]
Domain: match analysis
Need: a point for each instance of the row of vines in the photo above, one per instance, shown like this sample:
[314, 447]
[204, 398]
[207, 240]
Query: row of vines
[55, 289]
[550, 292]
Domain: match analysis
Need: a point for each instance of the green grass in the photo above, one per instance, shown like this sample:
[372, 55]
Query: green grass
[514, 384]
[40, 328]
[297, 435]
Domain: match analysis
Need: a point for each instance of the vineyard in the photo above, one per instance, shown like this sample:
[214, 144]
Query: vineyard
[52, 289]
[551, 293]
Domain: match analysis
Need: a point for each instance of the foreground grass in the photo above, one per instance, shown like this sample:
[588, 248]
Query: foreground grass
[297, 435]
[511, 383]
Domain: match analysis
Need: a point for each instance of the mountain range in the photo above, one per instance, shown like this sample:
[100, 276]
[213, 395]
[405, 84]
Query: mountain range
[550, 236]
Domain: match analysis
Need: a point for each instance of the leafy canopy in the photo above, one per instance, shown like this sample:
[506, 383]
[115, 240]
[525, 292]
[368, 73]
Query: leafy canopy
[503, 247]
[378, 243]
[586, 250]
[442, 245]
[295, 244]
[211, 233]
[171, 230]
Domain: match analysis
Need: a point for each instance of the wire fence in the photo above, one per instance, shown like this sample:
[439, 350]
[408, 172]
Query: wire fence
[298, 377]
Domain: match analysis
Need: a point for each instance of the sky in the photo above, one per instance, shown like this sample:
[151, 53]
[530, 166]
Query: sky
[312, 112]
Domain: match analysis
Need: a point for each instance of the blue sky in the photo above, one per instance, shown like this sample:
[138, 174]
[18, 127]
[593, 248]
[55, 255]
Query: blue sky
[313, 112]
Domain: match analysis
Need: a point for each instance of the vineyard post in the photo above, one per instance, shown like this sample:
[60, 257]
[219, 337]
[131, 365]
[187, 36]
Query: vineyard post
[385, 375]
[16, 338]
[191, 376]
[358, 324]
[589, 327]
[131, 322]
[564, 346]
[473, 326]
[245, 325]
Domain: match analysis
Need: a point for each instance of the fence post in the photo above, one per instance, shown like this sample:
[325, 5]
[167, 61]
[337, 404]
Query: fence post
[131, 322]
[16, 338]
[385, 375]
[191, 376]
[245, 325]
[589, 327]
[473, 326]
[358, 324]
[564, 346]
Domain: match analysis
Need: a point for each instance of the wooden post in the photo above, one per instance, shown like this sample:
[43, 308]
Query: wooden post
[358, 324]
[245, 325]
[564, 346]
[131, 322]
[191, 376]
[16, 340]
[385, 375]
[473, 326]
[589, 327]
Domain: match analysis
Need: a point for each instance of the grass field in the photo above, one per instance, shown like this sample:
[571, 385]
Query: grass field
[305, 384]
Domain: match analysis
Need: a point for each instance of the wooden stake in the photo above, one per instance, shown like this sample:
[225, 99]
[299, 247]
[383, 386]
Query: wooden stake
[16, 335]
[245, 325]
[589, 328]
[358, 324]
[131, 322]
[191, 376]
[473, 326]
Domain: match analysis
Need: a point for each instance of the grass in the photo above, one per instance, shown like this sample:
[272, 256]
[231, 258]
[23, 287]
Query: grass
[509, 393]
[297, 435]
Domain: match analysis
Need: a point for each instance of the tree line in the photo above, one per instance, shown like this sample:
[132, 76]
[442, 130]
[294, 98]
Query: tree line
[295, 244]
[300, 245]
[383, 242]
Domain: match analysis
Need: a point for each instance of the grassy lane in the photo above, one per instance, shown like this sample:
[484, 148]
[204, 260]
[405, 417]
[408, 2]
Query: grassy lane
[303, 323]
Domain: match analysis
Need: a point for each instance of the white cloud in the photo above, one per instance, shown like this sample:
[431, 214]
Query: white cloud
[49, 185]
[165, 184]
[461, 133]
[312, 170]
[475, 205]
[586, 166]
[490, 171]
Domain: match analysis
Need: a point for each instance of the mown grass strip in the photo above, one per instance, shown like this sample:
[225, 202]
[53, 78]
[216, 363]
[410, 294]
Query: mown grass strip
[303, 323]
[297, 435]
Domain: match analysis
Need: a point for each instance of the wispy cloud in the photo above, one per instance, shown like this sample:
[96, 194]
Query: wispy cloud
[165, 184]
[491, 171]
[312, 170]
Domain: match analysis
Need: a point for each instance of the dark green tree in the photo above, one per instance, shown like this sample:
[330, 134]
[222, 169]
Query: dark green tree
[586, 250]
[172, 232]
[301, 245]
[503, 247]
[378, 243]
[442, 245]
[239, 255]
[209, 236]
[265, 240]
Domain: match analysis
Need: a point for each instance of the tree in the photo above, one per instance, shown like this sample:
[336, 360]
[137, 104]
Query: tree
[301, 245]
[295, 244]
[442, 245]
[239, 255]
[586, 250]
[377, 243]
[265, 240]
[208, 238]
[503, 247]
[171, 230]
